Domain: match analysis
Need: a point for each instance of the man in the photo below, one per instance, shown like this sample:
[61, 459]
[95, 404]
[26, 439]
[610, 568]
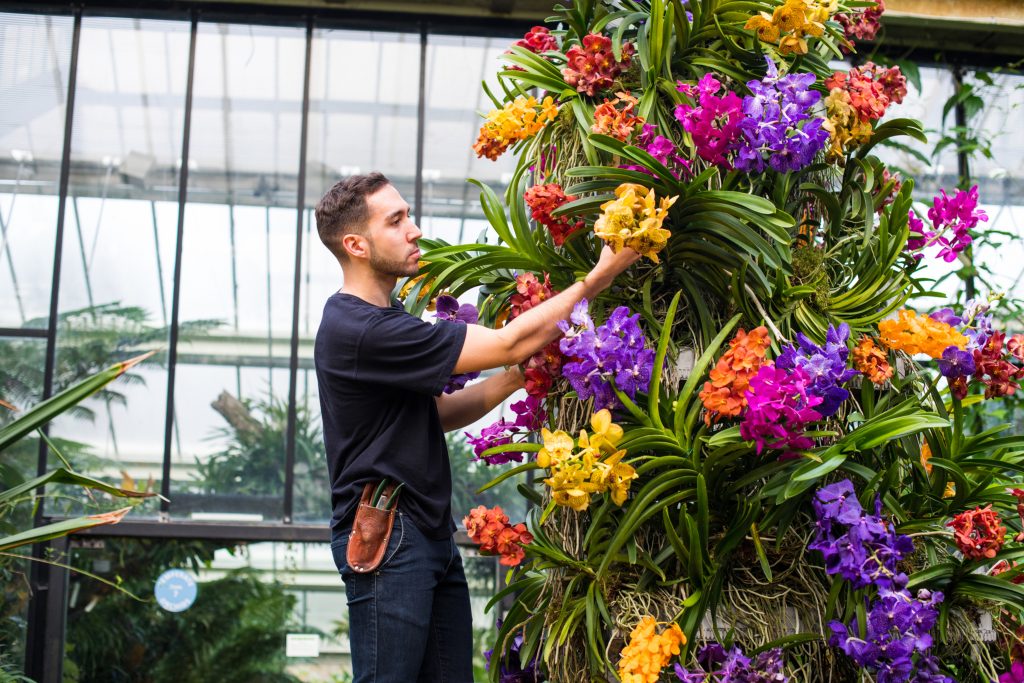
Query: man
[381, 372]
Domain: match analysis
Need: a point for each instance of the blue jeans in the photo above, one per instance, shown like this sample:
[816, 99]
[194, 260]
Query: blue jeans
[410, 619]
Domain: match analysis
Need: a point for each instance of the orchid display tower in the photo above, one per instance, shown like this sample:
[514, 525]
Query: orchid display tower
[751, 454]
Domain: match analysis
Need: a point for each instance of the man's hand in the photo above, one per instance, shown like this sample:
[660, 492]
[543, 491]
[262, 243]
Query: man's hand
[609, 264]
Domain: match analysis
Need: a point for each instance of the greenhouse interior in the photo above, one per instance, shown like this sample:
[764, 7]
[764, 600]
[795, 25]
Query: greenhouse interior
[783, 443]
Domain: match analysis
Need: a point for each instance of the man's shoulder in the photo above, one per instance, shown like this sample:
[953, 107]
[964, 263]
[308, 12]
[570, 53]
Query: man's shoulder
[347, 310]
[350, 317]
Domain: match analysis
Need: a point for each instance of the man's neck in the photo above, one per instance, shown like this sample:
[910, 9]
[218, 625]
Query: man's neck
[373, 288]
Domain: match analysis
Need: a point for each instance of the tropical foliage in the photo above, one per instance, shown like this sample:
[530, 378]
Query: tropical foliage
[19, 493]
[234, 632]
[773, 477]
[16, 492]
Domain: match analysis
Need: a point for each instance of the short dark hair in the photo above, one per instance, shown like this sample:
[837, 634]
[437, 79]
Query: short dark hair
[343, 209]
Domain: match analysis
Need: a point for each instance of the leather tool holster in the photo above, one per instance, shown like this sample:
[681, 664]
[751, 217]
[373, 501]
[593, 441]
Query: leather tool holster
[371, 531]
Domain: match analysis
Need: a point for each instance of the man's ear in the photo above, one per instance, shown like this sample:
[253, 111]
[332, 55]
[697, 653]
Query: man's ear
[355, 245]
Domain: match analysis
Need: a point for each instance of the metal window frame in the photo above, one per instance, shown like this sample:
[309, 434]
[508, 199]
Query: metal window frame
[173, 324]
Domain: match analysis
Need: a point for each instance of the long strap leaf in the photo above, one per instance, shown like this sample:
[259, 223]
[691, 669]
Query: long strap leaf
[55, 405]
[61, 528]
[62, 475]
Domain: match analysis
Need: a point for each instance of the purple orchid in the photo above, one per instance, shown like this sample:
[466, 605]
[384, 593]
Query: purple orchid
[952, 220]
[530, 417]
[512, 670]
[779, 406]
[956, 363]
[616, 353]
[777, 122]
[826, 366]
[898, 627]
[448, 308]
[715, 663]
[858, 546]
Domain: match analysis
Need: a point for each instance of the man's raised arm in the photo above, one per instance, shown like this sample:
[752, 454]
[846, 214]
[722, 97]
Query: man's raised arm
[485, 348]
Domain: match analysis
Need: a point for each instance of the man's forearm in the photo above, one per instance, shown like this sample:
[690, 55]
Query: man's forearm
[533, 330]
[537, 327]
[468, 405]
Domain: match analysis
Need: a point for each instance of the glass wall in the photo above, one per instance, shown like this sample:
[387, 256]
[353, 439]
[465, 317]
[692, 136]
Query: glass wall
[237, 273]
[120, 225]
[998, 168]
[456, 66]
[35, 55]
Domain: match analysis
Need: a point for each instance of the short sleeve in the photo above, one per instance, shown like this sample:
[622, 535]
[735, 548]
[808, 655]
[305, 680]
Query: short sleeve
[399, 350]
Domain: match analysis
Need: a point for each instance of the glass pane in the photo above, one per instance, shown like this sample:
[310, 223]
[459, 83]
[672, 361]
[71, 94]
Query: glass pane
[234, 631]
[238, 263]
[35, 54]
[14, 599]
[998, 126]
[21, 385]
[119, 242]
[1001, 190]
[456, 65]
[362, 118]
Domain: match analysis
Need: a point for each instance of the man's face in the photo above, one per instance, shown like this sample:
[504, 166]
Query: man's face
[391, 234]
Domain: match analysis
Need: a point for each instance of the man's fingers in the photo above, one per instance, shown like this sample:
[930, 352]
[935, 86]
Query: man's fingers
[620, 261]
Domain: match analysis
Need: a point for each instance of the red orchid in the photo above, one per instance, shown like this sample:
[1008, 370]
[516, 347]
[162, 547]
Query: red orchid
[489, 529]
[545, 199]
[978, 533]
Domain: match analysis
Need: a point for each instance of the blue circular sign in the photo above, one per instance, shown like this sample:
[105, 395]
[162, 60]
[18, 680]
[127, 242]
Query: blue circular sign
[175, 590]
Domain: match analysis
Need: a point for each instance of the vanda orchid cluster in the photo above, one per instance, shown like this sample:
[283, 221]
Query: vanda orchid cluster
[760, 454]
[895, 640]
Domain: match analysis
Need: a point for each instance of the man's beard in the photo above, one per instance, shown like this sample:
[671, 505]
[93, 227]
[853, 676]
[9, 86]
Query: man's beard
[391, 267]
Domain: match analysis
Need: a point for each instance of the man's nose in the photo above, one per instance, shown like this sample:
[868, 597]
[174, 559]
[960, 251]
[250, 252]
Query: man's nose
[416, 233]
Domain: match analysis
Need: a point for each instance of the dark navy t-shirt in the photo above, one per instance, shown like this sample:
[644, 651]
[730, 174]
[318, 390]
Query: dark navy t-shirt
[379, 370]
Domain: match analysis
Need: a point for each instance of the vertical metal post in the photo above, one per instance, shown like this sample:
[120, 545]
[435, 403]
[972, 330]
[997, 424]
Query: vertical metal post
[421, 109]
[46, 607]
[56, 615]
[293, 359]
[172, 344]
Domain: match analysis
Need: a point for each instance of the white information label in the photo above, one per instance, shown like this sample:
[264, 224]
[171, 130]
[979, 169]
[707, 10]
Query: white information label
[302, 645]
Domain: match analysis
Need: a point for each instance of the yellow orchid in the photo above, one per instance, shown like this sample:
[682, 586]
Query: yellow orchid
[620, 477]
[792, 45]
[569, 482]
[557, 447]
[790, 16]
[517, 120]
[762, 25]
[578, 472]
[634, 219]
[789, 23]
[606, 432]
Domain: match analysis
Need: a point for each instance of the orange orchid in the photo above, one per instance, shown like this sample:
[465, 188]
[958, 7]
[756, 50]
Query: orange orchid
[648, 651]
[871, 361]
[723, 394]
[915, 334]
